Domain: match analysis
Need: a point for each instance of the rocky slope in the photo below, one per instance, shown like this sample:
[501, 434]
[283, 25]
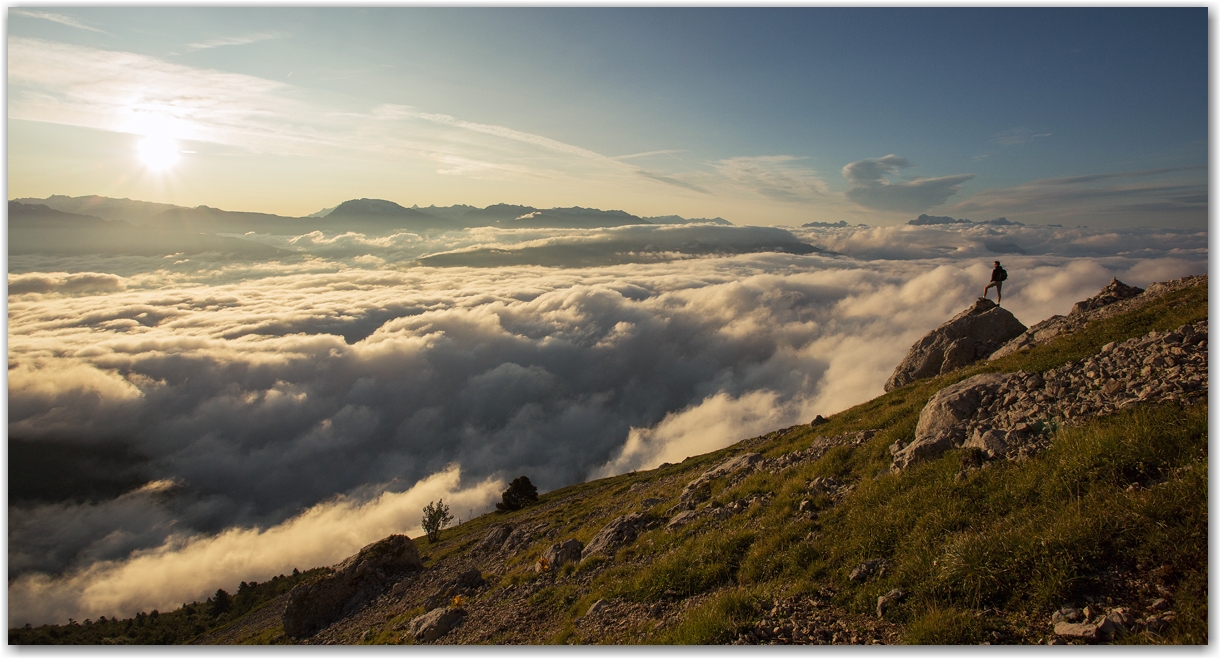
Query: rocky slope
[1071, 507]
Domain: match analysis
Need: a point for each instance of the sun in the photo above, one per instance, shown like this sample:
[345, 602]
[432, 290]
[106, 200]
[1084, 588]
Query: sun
[158, 153]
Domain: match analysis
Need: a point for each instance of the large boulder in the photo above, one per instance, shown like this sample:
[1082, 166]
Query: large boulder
[618, 532]
[943, 421]
[560, 554]
[349, 585]
[436, 624]
[970, 336]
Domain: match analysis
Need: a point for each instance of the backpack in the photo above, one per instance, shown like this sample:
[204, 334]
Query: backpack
[1003, 275]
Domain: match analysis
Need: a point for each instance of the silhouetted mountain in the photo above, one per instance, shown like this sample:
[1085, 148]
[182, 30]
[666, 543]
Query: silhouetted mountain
[381, 216]
[128, 210]
[630, 244]
[576, 217]
[499, 213]
[929, 220]
[839, 224]
[35, 228]
[675, 219]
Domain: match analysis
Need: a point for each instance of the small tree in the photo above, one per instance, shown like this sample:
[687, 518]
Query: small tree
[221, 603]
[436, 516]
[520, 492]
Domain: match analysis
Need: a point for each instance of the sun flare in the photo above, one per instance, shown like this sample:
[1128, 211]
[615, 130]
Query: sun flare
[158, 153]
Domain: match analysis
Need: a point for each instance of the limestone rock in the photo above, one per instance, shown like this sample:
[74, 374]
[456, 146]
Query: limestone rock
[942, 421]
[884, 602]
[620, 531]
[494, 539]
[1115, 291]
[682, 518]
[1117, 297]
[465, 583]
[560, 554]
[349, 585]
[1068, 630]
[436, 624]
[696, 490]
[992, 442]
[868, 568]
[971, 335]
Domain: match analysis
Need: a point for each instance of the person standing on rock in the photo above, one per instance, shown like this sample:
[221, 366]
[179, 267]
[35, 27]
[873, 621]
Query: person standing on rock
[998, 275]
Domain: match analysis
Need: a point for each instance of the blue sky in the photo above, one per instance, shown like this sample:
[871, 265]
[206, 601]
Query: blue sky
[767, 116]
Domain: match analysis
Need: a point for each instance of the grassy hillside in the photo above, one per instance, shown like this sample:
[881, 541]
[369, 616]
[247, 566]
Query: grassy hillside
[1113, 514]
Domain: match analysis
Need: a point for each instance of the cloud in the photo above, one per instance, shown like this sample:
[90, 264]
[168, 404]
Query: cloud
[241, 40]
[263, 388]
[776, 177]
[871, 189]
[1019, 135]
[62, 282]
[192, 567]
[56, 18]
[1171, 196]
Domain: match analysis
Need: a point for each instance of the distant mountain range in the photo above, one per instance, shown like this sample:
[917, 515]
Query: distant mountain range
[37, 228]
[370, 216]
[928, 220]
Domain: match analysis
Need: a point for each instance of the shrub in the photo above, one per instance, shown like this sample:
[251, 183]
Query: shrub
[520, 493]
[436, 516]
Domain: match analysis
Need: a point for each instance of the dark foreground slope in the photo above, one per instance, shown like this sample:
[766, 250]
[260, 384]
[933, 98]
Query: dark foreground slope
[810, 537]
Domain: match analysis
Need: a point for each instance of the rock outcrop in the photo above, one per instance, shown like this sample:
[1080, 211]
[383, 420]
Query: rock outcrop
[557, 555]
[436, 624]
[349, 585]
[1014, 414]
[620, 531]
[943, 421]
[695, 491]
[1115, 298]
[970, 336]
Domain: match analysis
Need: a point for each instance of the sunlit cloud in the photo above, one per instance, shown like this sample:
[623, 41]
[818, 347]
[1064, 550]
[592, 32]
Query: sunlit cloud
[173, 572]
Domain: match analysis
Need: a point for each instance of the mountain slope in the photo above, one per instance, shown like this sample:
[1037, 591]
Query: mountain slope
[35, 228]
[806, 534]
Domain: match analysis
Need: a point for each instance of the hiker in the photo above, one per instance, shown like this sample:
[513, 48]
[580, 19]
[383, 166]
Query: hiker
[997, 279]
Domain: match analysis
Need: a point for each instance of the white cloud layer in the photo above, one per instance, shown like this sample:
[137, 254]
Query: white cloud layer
[259, 389]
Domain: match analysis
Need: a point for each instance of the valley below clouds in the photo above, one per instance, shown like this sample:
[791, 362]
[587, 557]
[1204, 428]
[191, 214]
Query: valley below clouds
[283, 413]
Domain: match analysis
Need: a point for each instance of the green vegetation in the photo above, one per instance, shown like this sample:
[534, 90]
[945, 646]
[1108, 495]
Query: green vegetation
[520, 493]
[436, 516]
[181, 626]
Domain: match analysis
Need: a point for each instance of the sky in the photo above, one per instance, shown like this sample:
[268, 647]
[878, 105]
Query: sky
[761, 116]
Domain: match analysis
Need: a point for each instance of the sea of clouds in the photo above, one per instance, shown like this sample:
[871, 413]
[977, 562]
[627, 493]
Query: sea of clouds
[295, 410]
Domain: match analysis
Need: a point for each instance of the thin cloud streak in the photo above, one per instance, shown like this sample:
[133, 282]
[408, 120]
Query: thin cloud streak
[56, 18]
[236, 41]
